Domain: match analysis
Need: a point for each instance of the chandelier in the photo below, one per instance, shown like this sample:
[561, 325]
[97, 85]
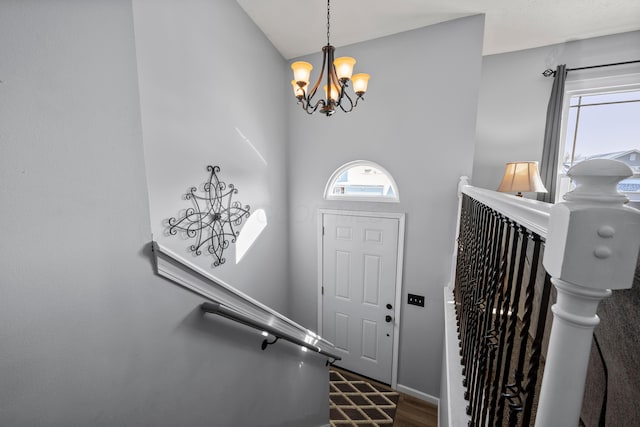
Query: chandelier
[337, 77]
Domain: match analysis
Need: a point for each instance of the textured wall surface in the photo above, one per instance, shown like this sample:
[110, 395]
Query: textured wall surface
[203, 103]
[424, 137]
[514, 94]
[89, 335]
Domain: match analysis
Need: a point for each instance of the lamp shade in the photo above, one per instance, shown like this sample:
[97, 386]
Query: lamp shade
[344, 67]
[522, 177]
[360, 83]
[301, 72]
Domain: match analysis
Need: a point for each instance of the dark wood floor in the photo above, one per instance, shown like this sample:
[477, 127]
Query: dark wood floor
[413, 412]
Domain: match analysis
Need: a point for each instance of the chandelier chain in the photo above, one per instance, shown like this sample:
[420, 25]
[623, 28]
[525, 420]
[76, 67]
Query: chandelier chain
[328, 20]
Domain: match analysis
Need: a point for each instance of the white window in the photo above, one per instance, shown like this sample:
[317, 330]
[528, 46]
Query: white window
[601, 121]
[361, 180]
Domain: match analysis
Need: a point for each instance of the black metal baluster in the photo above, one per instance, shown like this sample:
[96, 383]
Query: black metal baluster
[475, 238]
[502, 317]
[464, 276]
[536, 350]
[460, 254]
[490, 271]
[477, 297]
[481, 310]
[513, 318]
[462, 270]
[498, 298]
[490, 280]
[516, 390]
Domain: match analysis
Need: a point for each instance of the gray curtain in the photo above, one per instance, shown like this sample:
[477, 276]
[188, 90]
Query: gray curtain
[549, 162]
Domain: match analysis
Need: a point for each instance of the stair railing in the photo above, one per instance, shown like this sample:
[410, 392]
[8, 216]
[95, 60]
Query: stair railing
[515, 370]
[229, 302]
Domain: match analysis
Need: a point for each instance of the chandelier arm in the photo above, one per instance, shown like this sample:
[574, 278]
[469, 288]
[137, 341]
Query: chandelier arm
[313, 90]
[346, 95]
[336, 81]
[358, 98]
[332, 69]
[310, 110]
[306, 106]
[303, 100]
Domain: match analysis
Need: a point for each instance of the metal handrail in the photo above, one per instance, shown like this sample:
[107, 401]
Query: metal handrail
[173, 267]
[228, 312]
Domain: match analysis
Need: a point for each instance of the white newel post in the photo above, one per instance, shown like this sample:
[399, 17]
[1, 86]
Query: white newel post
[591, 248]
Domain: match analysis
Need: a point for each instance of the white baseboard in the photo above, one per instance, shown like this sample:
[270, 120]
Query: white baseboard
[418, 394]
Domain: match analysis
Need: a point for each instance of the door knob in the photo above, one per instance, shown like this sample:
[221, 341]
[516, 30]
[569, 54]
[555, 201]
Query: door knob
[388, 318]
[389, 306]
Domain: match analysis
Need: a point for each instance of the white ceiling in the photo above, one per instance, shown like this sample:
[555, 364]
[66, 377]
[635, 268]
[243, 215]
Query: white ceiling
[298, 27]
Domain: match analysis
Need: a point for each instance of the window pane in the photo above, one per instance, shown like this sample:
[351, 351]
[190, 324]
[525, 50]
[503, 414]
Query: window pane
[609, 130]
[361, 180]
[571, 126]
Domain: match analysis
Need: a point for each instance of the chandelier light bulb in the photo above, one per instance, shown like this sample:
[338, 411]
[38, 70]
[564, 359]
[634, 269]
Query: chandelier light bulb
[360, 83]
[344, 67]
[335, 93]
[301, 72]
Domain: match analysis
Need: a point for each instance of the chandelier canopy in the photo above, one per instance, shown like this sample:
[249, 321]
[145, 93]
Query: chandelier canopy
[338, 74]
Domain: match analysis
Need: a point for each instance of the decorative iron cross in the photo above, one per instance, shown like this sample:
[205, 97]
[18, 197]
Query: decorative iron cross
[212, 220]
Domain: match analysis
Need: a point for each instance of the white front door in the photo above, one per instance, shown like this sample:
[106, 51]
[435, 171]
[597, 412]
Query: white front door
[359, 274]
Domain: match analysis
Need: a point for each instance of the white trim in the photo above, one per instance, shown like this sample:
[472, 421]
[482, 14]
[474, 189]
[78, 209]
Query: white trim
[319, 240]
[456, 404]
[533, 214]
[418, 394]
[202, 283]
[400, 263]
[384, 199]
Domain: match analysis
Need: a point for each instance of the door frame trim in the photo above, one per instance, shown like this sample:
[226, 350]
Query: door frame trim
[400, 216]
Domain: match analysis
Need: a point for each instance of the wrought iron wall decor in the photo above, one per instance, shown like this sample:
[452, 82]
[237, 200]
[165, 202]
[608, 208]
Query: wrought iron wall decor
[213, 220]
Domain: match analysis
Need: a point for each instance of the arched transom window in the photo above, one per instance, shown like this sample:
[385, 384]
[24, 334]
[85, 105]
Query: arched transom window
[362, 180]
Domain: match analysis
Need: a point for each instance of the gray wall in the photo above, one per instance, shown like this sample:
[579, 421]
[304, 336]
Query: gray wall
[89, 335]
[514, 95]
[212, 91]
[423, 134]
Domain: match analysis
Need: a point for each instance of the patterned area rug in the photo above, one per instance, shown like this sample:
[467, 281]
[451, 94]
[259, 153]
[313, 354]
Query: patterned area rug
[357, 402]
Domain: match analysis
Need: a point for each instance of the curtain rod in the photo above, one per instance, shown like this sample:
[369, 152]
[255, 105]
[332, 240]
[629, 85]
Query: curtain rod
[549, 72]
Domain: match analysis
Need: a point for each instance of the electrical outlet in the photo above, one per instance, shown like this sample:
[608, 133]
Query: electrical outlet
[415, 300]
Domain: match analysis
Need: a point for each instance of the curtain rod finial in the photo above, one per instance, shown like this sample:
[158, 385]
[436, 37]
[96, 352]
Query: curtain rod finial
[548, 72]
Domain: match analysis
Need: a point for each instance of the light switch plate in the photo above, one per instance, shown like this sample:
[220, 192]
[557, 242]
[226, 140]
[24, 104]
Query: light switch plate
[415, 300]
